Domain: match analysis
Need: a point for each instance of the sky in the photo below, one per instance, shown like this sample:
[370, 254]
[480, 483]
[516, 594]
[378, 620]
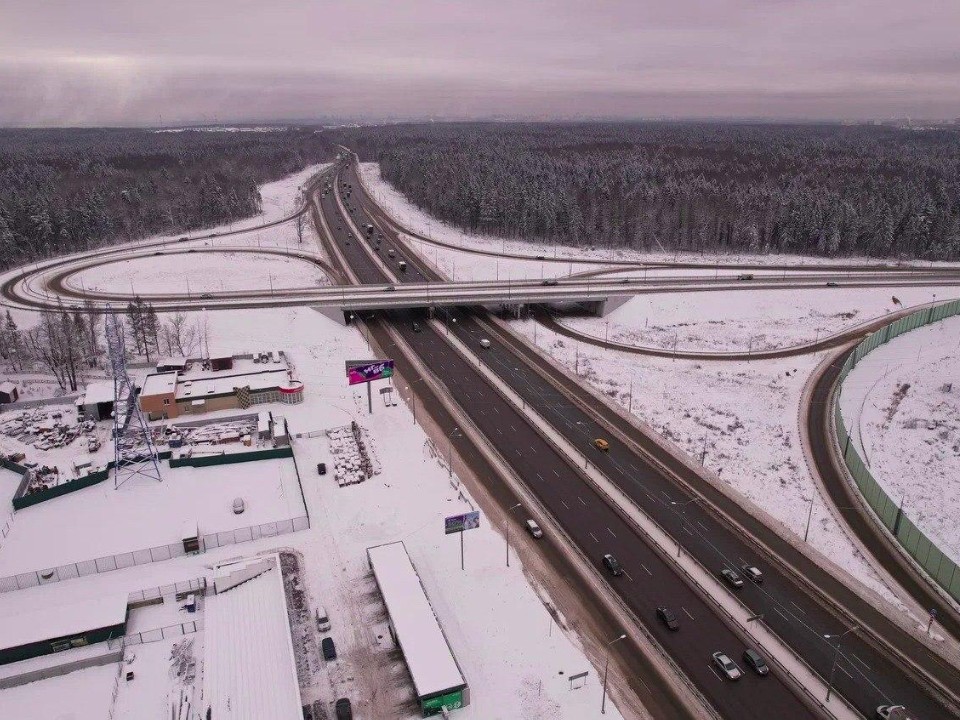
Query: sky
[165, 62]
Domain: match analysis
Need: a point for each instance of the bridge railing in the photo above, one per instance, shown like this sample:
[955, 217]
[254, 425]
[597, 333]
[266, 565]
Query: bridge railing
[937, 564]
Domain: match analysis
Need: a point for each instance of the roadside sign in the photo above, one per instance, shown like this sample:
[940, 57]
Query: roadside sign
[459, 523]
[369, 371]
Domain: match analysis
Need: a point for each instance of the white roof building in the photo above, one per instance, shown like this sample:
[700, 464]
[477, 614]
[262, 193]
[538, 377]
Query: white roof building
[250, 672]
[98, 392]
[429, 658]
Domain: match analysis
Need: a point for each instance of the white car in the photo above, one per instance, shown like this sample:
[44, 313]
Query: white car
[484, 343]
[239, 506]
[727, 666]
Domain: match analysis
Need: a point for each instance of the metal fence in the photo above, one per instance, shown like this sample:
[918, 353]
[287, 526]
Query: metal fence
[159, 553]
[158, 634]
[185, 587]
[933, 560]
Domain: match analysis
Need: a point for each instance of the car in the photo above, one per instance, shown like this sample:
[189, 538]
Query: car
[321, 468]
[752, 573]
[239, 506]
[613, 565]
[343, 709]
[626, 280]
[533, 528]
[417, 328]
[601, 444]
[484, 343]
[733, 580]
[390, 288]
[745, 276]
[158, 253]
[831, 283]
[323, 620]
[550, 282]
[328, 649]
[541, 257]
[755, 662]
[666, 616]
[727, 666]
[191, 250]
[206, 296]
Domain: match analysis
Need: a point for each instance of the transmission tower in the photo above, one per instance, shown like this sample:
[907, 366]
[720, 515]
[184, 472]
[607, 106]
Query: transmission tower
[134, 453]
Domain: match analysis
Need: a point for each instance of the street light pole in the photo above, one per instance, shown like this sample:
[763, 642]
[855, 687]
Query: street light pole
[508, 531]
[836, 656]
[450, 451]
[606, 666]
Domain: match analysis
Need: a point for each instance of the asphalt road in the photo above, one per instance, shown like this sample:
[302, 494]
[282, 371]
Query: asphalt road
[649, 579]
[865, 674]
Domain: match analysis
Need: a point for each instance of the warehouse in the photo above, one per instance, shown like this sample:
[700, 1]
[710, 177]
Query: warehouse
[53, 628]
[97, 401]
[437, 679]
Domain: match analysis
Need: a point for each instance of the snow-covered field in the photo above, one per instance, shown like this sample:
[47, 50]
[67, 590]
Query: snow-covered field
[81, 695]
[743, 320]
[142, 513]
[901, 404]
[181, 272]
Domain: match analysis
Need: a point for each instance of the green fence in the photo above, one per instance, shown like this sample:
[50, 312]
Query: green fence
[937, 565]
[231, 458]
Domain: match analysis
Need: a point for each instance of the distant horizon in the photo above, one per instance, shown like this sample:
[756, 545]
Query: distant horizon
[140, 64]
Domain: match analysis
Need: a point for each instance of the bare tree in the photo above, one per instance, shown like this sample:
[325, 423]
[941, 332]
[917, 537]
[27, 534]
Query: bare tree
[57, 343]
[180, 336]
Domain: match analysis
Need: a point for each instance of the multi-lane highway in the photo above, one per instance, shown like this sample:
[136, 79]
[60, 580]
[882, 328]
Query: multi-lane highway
[866, 673]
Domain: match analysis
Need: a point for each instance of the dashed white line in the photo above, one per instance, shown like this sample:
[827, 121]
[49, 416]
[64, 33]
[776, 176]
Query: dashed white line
[581, 500]
[564, 503]
[687, 612]
[646, 570]
[611, 532]
[798, 607]
[594, 537]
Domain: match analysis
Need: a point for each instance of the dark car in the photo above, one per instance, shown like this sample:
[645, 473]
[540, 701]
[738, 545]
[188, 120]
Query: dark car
[755, 662]
[328, 649]
[321, 468]
[206, 296]
[611, 564]
[344, 711]
[416, 327]
[549, 282]
[831, 283]
[732, 579]
[666, 616]
[752, 573]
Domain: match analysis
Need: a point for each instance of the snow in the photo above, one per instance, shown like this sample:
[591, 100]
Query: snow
[742, 320]
[80, 695]
[249, 669]
[98, 392]
[99, 521]
[49, 622]
[430, 660]
[159, 383]
[202, 272]
[901, 405]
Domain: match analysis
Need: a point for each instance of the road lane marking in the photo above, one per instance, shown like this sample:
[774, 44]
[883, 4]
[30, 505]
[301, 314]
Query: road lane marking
[782, 614]
[594, 537]
[798, 607]
[840, 668]
[686, 530]
[701, 525]
[541, 477]
[611, 532]
[645, 570]
[581, 500]
[556, 473]
[687, 612]
[857, 658]
[564, 503]
[714, 671]
[628, 576]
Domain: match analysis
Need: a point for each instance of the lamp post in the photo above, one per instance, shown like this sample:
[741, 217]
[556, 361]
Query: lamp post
[510, 510]
[606, 666]
[675, 505]
[836, 656]
[453, 432]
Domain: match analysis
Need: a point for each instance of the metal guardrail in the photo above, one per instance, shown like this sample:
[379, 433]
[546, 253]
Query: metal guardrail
[937, 564]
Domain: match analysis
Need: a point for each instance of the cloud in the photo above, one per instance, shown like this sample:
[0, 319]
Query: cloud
[100, 62]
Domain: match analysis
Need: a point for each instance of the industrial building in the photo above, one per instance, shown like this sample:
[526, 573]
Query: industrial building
[8, 393]
[54, 628]
[200, 387]
[437, 679]
[96, 403]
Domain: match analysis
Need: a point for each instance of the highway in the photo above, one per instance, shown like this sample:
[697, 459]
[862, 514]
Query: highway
[866, 675]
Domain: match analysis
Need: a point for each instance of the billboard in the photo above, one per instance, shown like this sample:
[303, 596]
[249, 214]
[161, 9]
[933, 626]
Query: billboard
[369, 371]
[459, 523]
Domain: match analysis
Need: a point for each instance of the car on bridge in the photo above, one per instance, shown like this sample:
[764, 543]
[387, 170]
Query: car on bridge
[613, 565]
[752, 573]
[731, 578]
[666, 616]
[601, 444]
[755, 662]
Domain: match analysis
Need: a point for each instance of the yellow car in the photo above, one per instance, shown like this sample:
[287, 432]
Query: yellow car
[601, 444]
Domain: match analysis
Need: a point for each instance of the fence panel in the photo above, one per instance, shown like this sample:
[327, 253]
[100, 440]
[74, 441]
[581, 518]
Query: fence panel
[935, 562]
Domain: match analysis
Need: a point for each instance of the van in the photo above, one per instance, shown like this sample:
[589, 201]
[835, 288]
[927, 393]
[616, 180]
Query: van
[533, 528]
[323, 620]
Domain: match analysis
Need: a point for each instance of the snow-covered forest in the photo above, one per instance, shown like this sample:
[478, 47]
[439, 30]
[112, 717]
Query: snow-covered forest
[68, 190]
[811, 189]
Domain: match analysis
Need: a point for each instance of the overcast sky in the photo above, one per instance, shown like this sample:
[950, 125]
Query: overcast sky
[84, 62]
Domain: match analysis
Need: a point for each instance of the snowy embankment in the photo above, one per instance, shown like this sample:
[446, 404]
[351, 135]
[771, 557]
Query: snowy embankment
[901, 405]
[744, 320]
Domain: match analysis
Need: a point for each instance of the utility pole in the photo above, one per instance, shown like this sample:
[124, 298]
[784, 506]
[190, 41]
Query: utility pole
[606, 666]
